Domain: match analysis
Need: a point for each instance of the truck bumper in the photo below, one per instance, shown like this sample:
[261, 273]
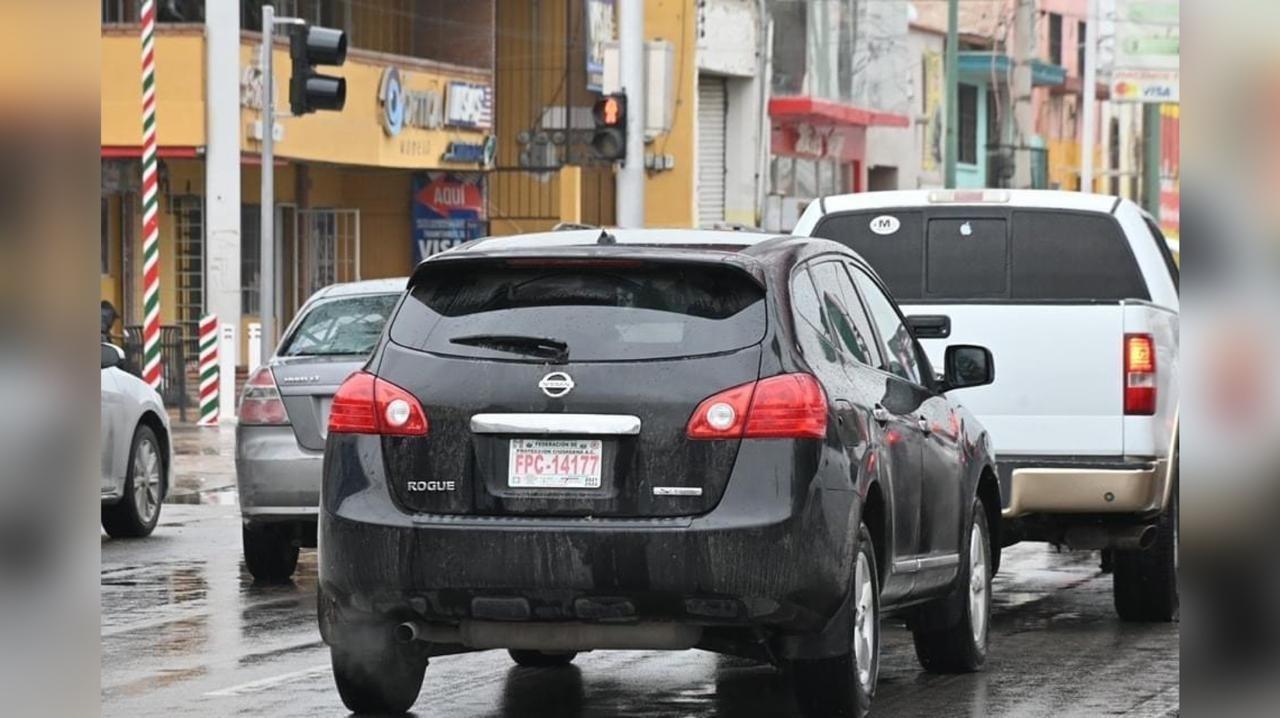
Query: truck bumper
[1087, 487]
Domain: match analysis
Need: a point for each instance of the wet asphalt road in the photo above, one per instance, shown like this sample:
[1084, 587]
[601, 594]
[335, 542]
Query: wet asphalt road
[185, 632]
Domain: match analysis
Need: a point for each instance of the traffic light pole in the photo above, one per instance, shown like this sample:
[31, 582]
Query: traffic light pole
[308, 92]
[266, 224]
[630, 184]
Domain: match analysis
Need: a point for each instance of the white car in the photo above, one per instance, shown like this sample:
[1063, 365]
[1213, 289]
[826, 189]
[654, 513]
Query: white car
[137, 454]
[1076, 295]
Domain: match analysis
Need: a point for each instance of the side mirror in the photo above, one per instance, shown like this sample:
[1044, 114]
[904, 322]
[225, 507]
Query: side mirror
[112, 355]
[967, 366]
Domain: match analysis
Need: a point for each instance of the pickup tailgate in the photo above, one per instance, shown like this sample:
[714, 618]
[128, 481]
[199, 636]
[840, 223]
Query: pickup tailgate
[1059, 374]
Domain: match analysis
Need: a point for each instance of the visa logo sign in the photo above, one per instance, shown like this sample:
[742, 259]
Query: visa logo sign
[1158, 92]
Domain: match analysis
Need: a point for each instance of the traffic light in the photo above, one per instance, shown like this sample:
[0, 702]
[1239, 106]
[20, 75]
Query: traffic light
[309, 90]
[609, 140]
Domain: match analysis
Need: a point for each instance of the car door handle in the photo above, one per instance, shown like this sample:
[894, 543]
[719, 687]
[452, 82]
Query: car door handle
[923, 423]
[880, 414]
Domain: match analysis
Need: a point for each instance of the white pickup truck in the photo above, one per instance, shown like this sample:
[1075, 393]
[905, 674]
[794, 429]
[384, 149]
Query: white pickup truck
[1076, 295]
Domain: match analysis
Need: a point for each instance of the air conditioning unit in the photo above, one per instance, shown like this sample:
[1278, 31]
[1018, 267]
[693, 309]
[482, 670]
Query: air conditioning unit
[659, 83]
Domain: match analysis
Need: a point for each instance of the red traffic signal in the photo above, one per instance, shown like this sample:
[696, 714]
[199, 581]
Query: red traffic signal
[610, 110]
[609, 140]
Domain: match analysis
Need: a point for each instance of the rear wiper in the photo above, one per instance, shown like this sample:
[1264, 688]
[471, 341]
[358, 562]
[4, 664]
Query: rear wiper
[546, 347]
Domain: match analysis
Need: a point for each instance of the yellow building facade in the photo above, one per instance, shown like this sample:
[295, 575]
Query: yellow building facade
[346, 186]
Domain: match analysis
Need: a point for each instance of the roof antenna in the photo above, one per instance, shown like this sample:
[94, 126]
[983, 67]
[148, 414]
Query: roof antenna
[606, 238]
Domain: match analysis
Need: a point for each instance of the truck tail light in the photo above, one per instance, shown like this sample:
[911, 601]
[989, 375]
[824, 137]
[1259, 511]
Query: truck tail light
[366, 404]
[1139, 375]
[787, 406]
[260, 403]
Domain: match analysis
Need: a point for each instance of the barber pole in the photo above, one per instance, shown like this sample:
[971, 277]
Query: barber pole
[208, 370]
[150, 204]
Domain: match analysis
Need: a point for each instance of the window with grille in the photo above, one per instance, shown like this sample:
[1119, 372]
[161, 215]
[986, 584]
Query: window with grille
[250, 257]
[968, 124]
[106, 235]
[187, 211]
[1055, 38]
[1081, 34]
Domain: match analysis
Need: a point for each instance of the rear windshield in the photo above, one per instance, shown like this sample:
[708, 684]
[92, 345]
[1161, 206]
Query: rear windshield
[617, 312]
[340, 327]
[979, 254]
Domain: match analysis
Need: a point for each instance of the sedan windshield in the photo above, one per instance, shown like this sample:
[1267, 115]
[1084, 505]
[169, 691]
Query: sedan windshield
[339, 327]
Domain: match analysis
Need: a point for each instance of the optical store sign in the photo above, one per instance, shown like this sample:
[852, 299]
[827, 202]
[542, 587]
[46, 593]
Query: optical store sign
[464, 105]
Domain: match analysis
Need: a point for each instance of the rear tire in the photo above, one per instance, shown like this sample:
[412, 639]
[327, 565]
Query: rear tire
[376, 675]
[137, 512]
[540, 659]
[269, 553]
[951, 634]
[843, 686]
[1145, 583]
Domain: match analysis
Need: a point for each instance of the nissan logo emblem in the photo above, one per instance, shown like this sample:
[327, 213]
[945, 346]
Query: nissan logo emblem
[556, 384]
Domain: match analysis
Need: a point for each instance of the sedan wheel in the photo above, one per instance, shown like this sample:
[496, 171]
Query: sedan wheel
[136, 513]
[146, 479]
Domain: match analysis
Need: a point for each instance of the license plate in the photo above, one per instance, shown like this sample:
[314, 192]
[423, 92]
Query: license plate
[554, 464]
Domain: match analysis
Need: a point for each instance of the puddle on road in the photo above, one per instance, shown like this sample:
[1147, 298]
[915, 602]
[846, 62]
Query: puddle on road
[222, 496]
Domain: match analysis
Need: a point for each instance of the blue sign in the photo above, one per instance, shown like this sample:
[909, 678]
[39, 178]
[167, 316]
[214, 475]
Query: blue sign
[448, 209]
[464, 152]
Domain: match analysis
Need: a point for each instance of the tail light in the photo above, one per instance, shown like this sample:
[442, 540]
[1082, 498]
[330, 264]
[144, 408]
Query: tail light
[787, 406]
[1139, 375]
[366, 404]
[260, 404]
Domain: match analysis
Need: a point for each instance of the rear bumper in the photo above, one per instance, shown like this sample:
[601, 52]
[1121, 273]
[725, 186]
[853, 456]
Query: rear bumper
[762, 557]
[278, 480]
[1048, 486]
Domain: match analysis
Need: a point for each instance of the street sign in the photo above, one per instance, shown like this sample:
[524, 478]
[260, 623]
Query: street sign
[1147, 52]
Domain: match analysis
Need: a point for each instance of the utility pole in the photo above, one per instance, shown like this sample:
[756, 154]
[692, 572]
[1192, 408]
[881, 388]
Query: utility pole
[267, 222]
[952, 94]
[1151, 144]
[222, 184]
[1024, 54]
[630, 184]
[1089, 92]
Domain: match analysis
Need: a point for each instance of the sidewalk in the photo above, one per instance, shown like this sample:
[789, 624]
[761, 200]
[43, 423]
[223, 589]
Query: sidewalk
[204, 469]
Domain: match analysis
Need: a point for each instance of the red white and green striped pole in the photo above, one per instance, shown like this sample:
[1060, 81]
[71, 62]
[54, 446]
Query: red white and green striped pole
[150, 205]
[208, 370]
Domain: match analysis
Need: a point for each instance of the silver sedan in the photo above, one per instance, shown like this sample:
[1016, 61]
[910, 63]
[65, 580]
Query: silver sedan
[136, 450]
[284, 412]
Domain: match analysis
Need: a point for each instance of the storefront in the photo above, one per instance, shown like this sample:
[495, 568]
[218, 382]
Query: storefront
[819, 148]
[359, 194]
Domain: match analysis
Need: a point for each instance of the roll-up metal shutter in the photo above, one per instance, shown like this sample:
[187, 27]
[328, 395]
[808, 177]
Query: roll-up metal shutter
[711, 132]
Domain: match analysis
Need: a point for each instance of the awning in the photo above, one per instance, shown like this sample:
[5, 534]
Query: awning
[983, 66]
[122, 152]
[817, 111]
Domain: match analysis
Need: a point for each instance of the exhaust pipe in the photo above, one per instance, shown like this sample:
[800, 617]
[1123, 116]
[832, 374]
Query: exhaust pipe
[410, 631]
[1125, 538]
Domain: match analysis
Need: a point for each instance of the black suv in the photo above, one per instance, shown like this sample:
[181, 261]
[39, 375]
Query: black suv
[653, 439]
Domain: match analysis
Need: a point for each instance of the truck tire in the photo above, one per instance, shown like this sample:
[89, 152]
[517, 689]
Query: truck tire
[540, 659]
[843, 686]
[269, 553]
[951, 633]
[376, 675]
[1145, 583]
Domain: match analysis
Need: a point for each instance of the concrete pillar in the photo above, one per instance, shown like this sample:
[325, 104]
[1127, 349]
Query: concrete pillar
[222, 177]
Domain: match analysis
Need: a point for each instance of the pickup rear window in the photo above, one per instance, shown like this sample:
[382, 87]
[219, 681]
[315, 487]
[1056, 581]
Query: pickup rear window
[604, 311]
[981, 254]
